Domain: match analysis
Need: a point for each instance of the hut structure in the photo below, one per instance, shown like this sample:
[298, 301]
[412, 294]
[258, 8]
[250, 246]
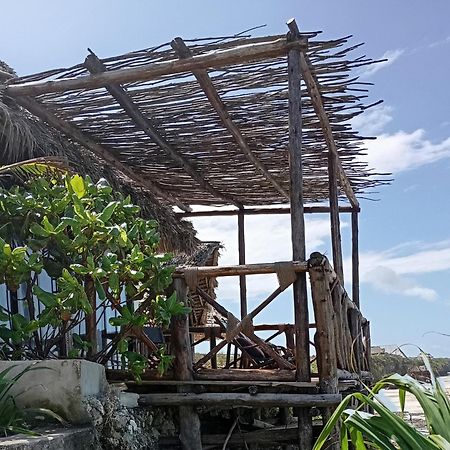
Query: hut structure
[260, 125]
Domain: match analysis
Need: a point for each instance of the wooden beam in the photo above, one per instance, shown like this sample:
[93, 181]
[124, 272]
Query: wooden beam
[74, 133]
[261, 211]
[335, 225]
[245, 375]
[271, 48]
[316, 99]
[239, 399]
[241, 250]
[232, 271]
[190, 434]
[355, 259]
[302, 354]
[95, 66]
[216, 102]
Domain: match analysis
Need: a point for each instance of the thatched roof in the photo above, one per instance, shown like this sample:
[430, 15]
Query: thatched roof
[22, 136]
[208, 124]
[206, 254]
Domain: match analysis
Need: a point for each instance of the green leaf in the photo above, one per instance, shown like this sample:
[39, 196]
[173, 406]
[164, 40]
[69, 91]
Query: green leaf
[48, 299]
[38, 230]
[114, 283]
[108, 212]
[78, 186]
[99, 288]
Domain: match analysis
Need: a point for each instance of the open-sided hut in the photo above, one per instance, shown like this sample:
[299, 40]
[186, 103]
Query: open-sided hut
[261, 125]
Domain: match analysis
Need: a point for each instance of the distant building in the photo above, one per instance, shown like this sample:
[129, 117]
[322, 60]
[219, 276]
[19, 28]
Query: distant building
[387, 349]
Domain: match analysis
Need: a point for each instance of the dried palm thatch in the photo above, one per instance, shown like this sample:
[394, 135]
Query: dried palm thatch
[23, 137]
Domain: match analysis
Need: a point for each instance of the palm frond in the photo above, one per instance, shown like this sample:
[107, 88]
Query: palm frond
[36, 167]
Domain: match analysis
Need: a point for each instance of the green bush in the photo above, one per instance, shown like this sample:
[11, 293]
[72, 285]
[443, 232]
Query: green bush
[101, 252]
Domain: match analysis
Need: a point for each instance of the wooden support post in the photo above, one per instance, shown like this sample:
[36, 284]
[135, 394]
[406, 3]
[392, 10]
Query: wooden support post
[303, 372]
[241, 249]
[334, 216]
[190, 435]
[355, 259]
[91, 319]
[324, 338]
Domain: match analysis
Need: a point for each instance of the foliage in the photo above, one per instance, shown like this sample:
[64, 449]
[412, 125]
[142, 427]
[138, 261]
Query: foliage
[387, 364]
[102, 254]
[386, 430]
[12, 418]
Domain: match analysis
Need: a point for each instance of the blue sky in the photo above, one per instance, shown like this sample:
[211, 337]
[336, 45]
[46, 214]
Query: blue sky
[405, 236]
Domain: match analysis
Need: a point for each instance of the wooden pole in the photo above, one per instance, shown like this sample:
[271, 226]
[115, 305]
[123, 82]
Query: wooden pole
[271, 47]
[303, 372]
[268, 211]
[334, 216]
[355, 259]
[325, 339]
[241, 249]
[240, 399]
[190, 435]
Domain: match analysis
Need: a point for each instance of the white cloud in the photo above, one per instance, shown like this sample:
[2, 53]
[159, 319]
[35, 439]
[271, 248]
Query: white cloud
[390, 55]
[402, 151]
[395, 271]
[373, 121]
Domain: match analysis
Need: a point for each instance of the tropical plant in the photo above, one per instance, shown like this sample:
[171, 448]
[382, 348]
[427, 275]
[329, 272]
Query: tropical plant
[12, 418]
[386, 430]
[100, 251]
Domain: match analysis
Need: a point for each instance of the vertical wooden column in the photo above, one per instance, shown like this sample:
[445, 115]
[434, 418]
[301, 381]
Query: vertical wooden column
[355, 258]
[325, 339]
[241, 250]
[334, 216]
[303, 372]
[91, 319]
[190, 435]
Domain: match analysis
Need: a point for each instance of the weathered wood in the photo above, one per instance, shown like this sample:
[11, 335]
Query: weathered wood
[241, 251]
[86, 141]
[240, 399]
[95, 66]
[334, 216]
[245, 374]
[271, 48]
[91, 319]
[190, 434]
[216, 102]
[211, 353]
[355, 259]
[302, 355]
[220, 384]
[316, 99]
[324, 337]
[247, 269]
[263, 211]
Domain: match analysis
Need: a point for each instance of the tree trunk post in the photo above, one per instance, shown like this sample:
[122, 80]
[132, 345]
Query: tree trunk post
[190, 435]
[303, 371]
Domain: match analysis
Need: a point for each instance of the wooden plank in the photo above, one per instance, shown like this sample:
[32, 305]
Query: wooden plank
[240, 399]
[316, 99]
[95, 66]
[216, 102]
[241, 251]
[263, 211]
[247, 269]
[222, 383]
[189, 420]
[324, 337]
[302, 354]
[355, 259]
[271, 48]
[245, 374]
[334, 216]
[103, 153]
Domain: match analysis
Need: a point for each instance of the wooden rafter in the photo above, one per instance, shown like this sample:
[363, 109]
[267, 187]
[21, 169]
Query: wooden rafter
[86, 141]
[271, 48]
[95, 66]
[316, 99]
[216, 102]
